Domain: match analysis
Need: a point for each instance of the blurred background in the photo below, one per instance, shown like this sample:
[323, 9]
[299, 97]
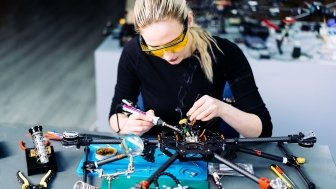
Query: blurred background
[47, 59]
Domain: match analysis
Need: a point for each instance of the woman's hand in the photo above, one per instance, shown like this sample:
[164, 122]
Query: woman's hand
[205, 109]
[137, 124]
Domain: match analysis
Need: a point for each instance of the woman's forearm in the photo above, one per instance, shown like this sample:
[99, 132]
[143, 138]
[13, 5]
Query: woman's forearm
[247, 124]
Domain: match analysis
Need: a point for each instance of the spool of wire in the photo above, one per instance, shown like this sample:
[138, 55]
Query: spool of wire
[41, 152]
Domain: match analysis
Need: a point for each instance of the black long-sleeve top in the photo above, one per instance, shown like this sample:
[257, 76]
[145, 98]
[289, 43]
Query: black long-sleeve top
[171, 90]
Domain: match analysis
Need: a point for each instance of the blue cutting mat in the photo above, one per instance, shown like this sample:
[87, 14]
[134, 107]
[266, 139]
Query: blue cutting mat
[195, 171]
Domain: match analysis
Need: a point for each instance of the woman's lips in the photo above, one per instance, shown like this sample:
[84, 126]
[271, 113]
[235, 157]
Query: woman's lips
[173, 59]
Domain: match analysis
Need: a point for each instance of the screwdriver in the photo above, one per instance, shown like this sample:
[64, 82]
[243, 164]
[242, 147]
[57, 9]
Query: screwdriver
[155, 120]
[281, 174]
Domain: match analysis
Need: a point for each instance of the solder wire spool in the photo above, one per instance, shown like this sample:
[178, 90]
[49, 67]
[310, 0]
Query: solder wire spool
[37, 136]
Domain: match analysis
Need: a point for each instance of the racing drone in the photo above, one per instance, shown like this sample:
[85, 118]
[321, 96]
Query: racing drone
[188, 142]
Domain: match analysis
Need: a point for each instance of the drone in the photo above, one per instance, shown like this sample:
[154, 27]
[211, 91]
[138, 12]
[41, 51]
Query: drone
[188, 141]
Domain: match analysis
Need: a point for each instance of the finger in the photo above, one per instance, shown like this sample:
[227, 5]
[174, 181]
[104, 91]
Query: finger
[199, 111]
[142, 123]
[149, 115]
[206, 114]
[138, 120]
[207, 118]
[140, 117]
[208, 108]
[145, 123]
[135, 116]
[136, 127]
[197, 114]
[150, 112]
[197, 105]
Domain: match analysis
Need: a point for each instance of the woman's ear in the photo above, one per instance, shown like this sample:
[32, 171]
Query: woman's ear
[190, 19]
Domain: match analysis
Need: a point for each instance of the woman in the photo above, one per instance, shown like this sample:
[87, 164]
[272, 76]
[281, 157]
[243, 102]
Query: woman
[181, 71]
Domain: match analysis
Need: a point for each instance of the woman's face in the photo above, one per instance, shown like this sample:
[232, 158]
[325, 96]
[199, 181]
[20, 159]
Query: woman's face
[164, 32]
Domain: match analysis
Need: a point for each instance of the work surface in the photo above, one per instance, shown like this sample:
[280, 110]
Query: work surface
[320, 166]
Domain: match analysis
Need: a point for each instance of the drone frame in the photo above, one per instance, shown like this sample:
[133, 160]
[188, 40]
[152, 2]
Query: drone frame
[185, 151]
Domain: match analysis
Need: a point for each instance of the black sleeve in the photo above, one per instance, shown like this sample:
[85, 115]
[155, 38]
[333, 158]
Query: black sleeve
[244, 89]
[128, 84]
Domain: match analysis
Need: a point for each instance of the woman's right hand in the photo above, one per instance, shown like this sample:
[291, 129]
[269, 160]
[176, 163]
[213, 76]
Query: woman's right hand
[137, 124]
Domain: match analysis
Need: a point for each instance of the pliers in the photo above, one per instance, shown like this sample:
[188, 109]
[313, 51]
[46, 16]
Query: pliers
[43, 183]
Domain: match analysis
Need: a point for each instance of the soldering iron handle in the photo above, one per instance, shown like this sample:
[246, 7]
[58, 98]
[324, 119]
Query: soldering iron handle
[106, 141]
[119, 140]
[111, 159]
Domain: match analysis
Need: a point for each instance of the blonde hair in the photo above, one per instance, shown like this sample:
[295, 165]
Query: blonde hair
[150, 11]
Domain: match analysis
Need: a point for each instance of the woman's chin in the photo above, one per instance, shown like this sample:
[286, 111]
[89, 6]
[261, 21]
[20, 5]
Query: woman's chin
[174, 61]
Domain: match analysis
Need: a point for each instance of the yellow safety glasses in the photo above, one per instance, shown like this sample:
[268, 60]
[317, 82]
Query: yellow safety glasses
[174, 46]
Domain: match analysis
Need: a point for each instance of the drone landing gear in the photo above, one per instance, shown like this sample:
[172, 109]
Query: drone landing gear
[288, 159]
[145, 184]
[296, 165]
[263, 182]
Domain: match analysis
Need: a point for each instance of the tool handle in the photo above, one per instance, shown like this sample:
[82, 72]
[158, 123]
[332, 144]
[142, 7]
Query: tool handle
[133, 110]
[47, 177]
[22, 180]
[280, 175]
[278, 169]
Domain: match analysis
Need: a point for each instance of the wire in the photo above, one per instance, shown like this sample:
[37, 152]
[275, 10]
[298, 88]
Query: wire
[116, 112]
[156, 183]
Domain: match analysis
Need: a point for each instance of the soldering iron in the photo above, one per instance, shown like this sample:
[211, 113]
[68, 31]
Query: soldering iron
[128, 107]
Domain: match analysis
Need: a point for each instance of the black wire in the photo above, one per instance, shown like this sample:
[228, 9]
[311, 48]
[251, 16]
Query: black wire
[156, 183]
[116, 112]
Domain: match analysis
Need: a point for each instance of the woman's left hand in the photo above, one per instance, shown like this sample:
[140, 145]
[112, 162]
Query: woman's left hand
[205, 109]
